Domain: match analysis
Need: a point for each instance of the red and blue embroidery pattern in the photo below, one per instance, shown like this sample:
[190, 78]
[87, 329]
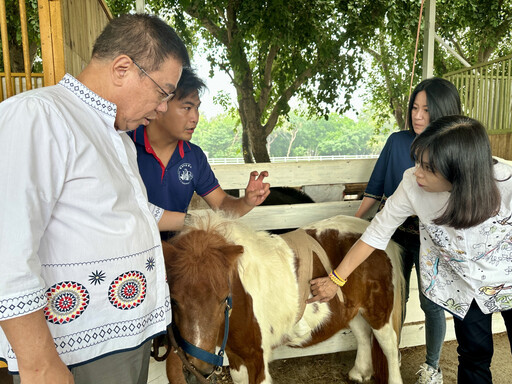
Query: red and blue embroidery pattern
[128, 290]
[67, 300]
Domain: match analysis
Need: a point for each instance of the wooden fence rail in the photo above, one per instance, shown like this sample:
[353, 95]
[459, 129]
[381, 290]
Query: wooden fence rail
[18, 83]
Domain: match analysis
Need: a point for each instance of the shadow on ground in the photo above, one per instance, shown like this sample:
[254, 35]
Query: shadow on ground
[333, 368]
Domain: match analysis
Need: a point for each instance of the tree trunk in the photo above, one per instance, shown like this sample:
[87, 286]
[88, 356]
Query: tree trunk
[292, 139]
[258, 142]
[255, 147]
[246, 147]
[398, 113]
[16, 54]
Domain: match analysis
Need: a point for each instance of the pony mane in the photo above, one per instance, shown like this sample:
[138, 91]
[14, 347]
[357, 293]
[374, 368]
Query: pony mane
[261, 249]
[199, 258]
[210, 220]
[225, 224]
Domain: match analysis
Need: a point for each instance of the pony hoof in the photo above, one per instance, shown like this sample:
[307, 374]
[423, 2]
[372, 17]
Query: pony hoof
[359, 377]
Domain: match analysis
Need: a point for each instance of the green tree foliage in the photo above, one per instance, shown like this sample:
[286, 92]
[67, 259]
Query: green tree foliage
[14, 34]
[272, 51]
[220, 137]
[479, 30]
[311, 49]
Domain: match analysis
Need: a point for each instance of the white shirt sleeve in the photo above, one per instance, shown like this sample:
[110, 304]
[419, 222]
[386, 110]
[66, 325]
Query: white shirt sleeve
[156, 211]
[397, 209]
[33, 153]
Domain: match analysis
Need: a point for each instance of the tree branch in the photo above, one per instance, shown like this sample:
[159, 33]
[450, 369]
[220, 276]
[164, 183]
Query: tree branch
[210, 26]
[286, 96]
[375, 54]
[221, 14]
[459, 49]
[484, 52]
[225, 68]
[267, 78]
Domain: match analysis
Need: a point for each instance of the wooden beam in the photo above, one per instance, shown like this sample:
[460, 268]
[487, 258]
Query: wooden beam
[59, 61]
[5, 49]
[52, 40]
[429, 31]
[236, 176]
[24, 39]
[46, 41]
[140, 5]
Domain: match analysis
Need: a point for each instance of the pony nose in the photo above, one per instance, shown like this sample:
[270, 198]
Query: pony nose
[191, 378]
[202, 367]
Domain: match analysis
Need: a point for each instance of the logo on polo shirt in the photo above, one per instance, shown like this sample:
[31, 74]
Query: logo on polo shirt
[185, 173]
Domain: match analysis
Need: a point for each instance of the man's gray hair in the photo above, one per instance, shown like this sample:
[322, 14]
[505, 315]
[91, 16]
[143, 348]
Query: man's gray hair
[146, 39]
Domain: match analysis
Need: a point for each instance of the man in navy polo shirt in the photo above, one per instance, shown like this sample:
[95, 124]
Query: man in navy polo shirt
[173, 169]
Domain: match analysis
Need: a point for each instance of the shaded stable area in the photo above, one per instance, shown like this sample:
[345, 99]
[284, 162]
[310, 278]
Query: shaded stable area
[333, 368]
[68, 30]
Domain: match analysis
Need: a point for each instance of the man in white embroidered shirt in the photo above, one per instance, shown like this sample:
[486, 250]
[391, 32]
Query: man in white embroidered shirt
[82, 278]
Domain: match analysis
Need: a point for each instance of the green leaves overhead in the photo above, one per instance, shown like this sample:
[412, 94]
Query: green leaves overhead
[316, 50]
[273, 50]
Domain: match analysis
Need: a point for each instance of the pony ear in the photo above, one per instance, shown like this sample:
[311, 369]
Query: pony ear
[232, 252]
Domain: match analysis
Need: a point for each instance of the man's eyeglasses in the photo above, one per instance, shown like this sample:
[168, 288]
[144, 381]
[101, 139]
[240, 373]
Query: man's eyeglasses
[168, 96]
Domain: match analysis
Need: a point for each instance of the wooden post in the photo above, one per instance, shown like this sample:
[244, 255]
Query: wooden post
[5, 48]
[52, 41]
[26, 51]
[57, 39]
[428, 38]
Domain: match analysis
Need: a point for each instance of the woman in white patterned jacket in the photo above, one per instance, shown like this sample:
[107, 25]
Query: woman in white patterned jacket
[463, 199]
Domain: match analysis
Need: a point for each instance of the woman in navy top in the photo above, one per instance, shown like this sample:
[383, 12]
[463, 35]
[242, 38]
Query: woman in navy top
[431, 99]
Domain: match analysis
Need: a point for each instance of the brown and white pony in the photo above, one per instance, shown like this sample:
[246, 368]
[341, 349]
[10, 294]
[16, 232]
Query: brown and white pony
[215, 257]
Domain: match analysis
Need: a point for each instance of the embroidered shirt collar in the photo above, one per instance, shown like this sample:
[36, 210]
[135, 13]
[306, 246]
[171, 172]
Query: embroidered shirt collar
[88, 96]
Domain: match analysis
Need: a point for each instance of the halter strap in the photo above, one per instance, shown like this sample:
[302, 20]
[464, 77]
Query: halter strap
[201, 354]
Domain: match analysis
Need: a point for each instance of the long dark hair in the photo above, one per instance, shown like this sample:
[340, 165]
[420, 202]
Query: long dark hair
[459, 149]
[442, 99]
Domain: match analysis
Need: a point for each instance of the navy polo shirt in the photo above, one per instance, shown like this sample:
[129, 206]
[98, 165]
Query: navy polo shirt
[393, 161]
[187, 172]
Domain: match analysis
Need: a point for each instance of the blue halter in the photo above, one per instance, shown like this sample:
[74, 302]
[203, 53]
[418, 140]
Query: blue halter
[210, 358]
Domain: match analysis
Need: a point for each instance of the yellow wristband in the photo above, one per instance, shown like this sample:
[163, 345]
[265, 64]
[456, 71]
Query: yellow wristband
[338, 276]
[336, 280]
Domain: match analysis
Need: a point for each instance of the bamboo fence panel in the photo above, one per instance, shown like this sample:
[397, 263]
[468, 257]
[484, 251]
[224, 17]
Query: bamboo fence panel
[24, 38]
[83, 21]
[68, 30]
[18, 82]
[486, 91]
[5, 47]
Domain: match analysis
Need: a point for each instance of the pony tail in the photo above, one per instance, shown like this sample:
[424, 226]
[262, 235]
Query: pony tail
[379, 362]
